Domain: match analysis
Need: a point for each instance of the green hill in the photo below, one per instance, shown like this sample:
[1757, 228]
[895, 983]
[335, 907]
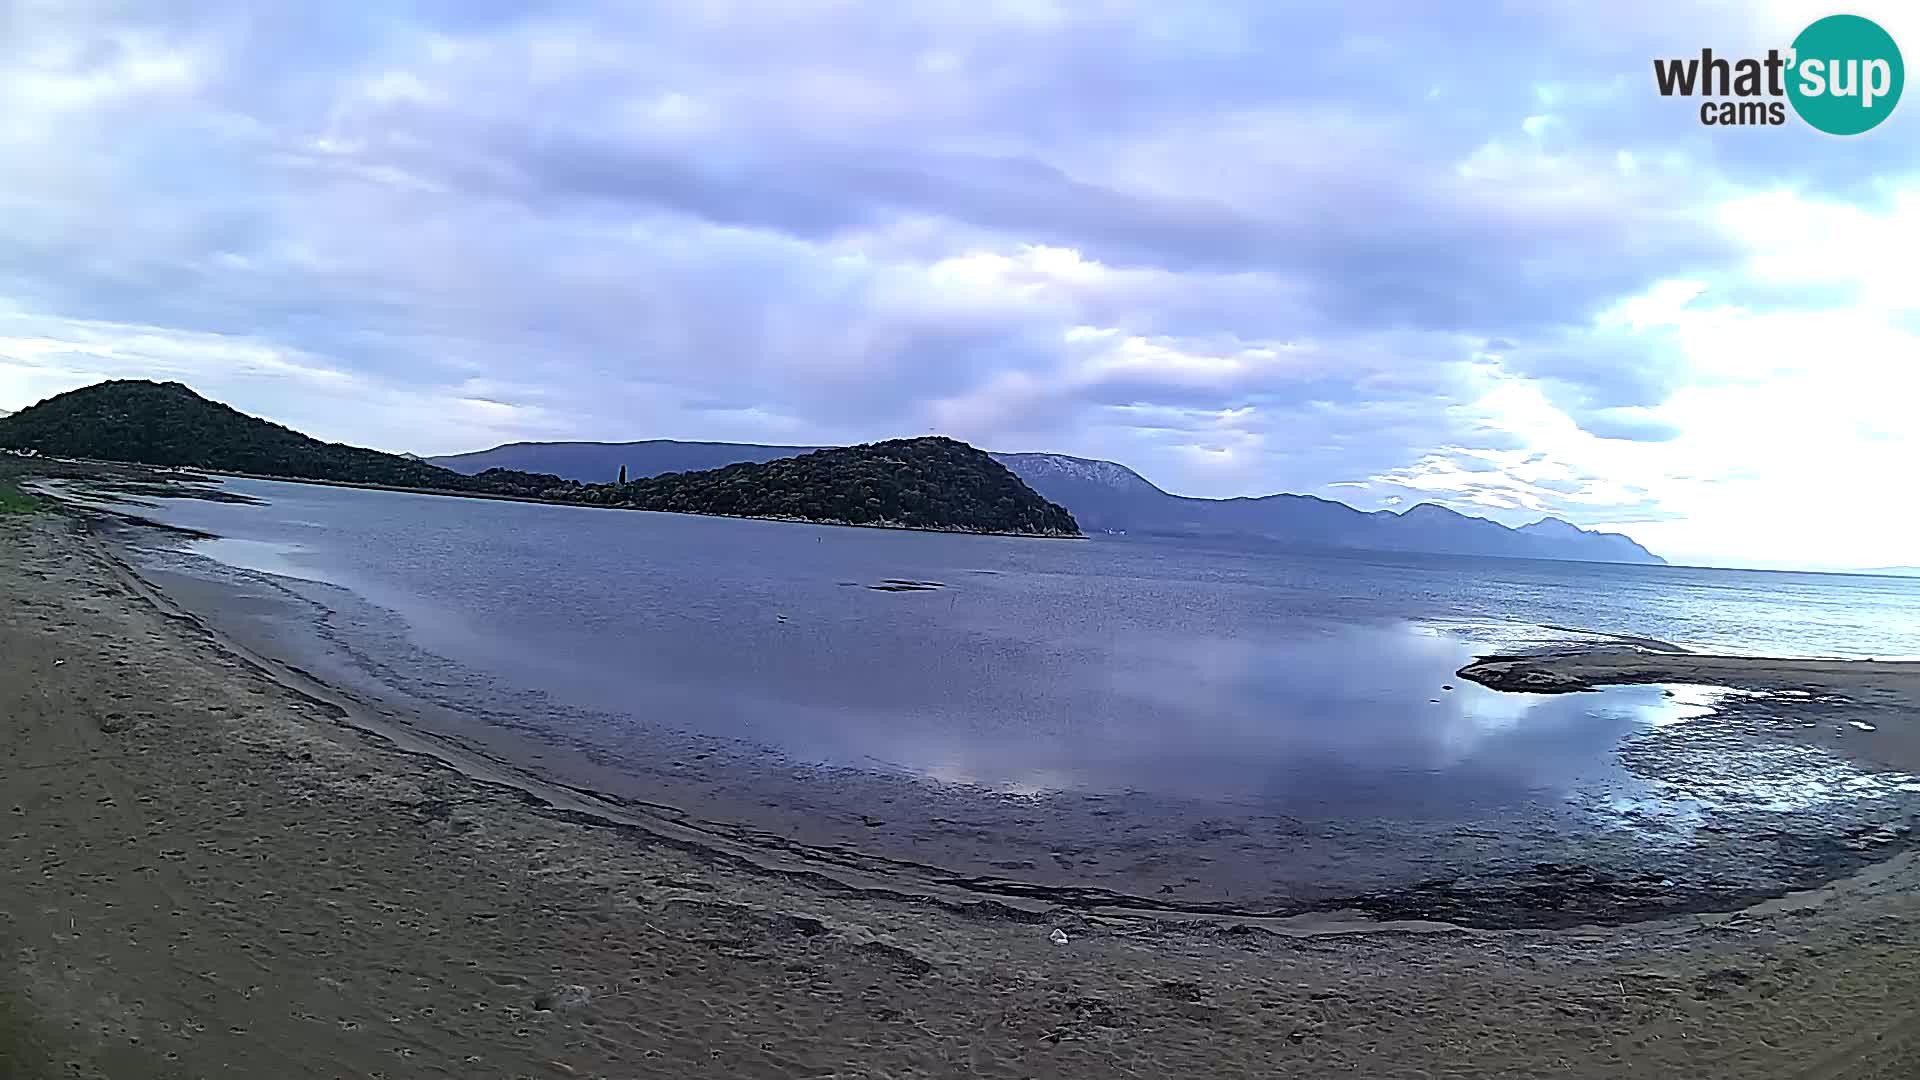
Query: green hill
[927, 483]
[168, 424]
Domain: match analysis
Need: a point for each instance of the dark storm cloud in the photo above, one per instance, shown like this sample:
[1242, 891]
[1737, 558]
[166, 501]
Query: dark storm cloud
[1355, 193]
[1378, 249]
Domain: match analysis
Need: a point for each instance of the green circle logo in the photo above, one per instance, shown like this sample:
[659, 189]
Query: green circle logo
[1846, 75]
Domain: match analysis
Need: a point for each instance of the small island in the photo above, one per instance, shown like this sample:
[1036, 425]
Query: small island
[929, 483]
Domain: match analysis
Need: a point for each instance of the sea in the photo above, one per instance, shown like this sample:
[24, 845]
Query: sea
[1198, 726]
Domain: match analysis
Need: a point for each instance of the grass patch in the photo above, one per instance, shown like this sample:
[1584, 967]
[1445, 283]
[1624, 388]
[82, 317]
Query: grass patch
[15, 501]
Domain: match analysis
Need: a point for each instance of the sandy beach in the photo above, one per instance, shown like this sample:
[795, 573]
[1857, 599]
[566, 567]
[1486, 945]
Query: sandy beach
[209, 870]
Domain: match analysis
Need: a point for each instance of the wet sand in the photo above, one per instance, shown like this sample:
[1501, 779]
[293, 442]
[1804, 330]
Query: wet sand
[208, 871]
[1862, 709]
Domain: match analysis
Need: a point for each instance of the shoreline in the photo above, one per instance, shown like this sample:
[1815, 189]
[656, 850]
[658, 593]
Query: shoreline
[1471, 876]
[187, 832]
[854, 868]
[662, 823]
[1579, 670]
[1864, 711]
[1585, 880]
[906, 883]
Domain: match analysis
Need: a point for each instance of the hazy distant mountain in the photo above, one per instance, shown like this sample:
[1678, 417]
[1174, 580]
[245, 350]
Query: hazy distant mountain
[600, 463]
[1879, 571]
[1104, 496]
[1624, 548]
[1108, 497]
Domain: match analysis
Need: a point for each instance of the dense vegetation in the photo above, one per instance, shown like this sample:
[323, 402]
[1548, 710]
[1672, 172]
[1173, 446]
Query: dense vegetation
[168, 424]
[925, 483]
[928, 483]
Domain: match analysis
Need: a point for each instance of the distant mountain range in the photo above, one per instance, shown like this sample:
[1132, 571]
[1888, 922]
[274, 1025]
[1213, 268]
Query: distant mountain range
[1104, 496]
[599, 463]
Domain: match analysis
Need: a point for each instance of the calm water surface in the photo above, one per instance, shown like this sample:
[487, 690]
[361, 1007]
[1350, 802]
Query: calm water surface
[753, 671]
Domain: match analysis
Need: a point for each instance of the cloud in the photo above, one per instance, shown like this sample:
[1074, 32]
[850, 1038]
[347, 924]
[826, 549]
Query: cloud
[1631, 424]
[1510, 276]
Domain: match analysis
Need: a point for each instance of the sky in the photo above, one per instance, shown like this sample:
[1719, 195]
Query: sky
[1380, 252]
